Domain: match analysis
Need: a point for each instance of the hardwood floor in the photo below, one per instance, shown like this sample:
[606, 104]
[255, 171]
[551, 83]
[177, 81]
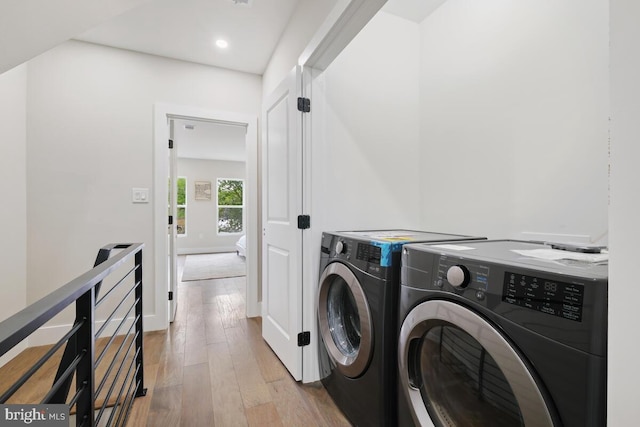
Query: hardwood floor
[211, 368]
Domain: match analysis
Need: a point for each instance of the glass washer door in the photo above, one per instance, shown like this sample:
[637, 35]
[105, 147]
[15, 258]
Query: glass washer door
[345, 320]
[457, 370]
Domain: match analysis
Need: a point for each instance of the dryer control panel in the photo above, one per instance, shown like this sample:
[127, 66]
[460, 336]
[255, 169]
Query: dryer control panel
[544, 295]
[475, 276]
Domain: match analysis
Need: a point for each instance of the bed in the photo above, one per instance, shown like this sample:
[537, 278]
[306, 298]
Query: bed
[241, 246]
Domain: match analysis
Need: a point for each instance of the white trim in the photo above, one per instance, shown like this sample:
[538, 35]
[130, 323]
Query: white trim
[344, 21]
[47, 335]
[161, 165]
[310, 264]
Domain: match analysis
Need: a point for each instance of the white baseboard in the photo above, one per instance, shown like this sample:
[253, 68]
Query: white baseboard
[51, 334]
[215, 250]
[257, 312]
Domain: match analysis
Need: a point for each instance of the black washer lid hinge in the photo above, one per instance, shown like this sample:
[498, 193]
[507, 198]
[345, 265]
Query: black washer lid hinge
[304, 105]
[304, 222]
[171, 143]
[170, 295]
[304, 338]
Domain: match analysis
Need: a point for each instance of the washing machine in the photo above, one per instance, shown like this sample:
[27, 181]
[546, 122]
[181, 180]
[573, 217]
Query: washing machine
[358, 319]
[502, 333]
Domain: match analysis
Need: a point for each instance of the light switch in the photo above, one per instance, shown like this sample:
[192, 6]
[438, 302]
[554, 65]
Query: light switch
[140, 195]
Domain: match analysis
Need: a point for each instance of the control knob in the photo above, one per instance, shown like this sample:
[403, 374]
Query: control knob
[341, 247]
[458, 276]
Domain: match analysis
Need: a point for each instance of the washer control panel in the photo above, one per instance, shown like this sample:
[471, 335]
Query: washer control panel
[369, 253]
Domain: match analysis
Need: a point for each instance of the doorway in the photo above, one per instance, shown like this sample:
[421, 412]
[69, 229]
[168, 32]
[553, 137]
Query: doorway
[182, 115]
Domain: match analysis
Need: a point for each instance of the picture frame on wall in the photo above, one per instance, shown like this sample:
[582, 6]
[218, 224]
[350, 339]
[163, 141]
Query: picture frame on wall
[203, 190]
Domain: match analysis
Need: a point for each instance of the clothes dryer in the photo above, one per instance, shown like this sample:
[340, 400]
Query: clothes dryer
[502, 333]
[358, 319]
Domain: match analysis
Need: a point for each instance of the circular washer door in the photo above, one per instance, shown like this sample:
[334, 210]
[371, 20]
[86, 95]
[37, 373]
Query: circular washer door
[345, 320]
[456, 369]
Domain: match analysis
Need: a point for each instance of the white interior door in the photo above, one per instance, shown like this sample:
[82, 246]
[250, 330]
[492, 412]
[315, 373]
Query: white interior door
[172, 228]
[282, 240]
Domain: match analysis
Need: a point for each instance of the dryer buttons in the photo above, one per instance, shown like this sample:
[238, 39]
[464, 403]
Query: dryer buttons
[480, 295]
[458, 276]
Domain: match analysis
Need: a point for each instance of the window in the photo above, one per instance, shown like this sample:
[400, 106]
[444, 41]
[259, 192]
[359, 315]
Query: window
[181, 205]
[230, 205]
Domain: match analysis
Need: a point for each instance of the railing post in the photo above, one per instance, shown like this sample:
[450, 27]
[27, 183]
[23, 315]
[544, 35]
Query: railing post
[69, 352]
[85, 373]
[140, 390]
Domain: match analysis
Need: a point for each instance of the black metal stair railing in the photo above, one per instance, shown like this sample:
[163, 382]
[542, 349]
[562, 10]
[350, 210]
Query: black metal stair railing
[124, 375]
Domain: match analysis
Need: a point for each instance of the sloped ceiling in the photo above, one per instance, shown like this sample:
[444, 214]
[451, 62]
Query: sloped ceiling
[187, 30]
[31, 27]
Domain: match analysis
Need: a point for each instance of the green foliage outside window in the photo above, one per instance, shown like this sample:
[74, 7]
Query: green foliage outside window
[230, 192]
[230, 205]
[181, 204]
[181, 200]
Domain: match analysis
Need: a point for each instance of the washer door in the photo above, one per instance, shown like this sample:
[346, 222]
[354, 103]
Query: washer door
[345, 320]
[456, 369]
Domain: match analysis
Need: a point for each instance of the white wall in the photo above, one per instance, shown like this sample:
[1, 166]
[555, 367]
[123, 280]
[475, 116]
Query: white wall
[202, 233]
[624, 294]
[514, 118]
[366, 167]
[90, 125]
[13, 191]
[364, 148]
[306, 18]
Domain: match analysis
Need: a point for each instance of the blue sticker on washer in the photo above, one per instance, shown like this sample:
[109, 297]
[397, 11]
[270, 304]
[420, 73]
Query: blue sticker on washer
[387, 248]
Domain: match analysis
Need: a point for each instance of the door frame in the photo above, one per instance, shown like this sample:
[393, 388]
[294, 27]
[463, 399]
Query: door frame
[342, 24]
[162, 112]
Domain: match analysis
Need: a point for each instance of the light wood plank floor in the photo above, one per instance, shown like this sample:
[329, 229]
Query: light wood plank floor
[210, 368]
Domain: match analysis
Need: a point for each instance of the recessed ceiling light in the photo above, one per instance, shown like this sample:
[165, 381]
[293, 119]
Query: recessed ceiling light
[222, 44]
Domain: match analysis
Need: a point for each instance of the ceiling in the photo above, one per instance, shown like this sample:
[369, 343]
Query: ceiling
[413, 10]
[187, 29]
[209, 140]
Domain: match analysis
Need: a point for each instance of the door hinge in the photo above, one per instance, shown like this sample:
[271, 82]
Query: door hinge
[170, 219]
[304, 222]
[170, 295]
[304, 105]
[171, 143]
[304, 338]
